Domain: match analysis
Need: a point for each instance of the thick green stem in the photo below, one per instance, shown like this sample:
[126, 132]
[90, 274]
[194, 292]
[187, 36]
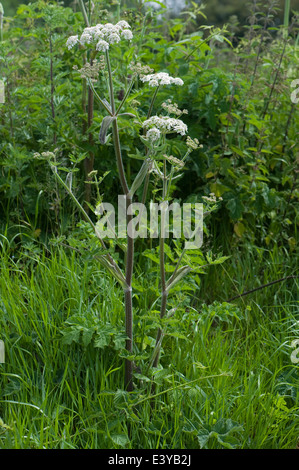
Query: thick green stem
[52, 87]
[83, 9]
[130, 240]
[119, 161]
[129, 304]
[115, 132]
[159, 334]
[126, 95]
[102, 102]
[150, 109]
[162, 267]
[111, 92]
[89, 161]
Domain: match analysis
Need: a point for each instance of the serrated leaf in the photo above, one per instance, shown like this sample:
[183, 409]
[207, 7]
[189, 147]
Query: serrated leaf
[221, 431]
[72, 334]
[87, 336]
[120, 439]
[102, 339]
[120, 341]
[120, 396]
[142, 377]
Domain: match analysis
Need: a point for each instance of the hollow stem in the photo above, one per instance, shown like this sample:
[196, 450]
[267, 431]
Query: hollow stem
[152, 103]
[162, 268]
[129, 304]
[130, 240]
[84, 13]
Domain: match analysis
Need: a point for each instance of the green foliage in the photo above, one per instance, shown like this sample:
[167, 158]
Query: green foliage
[225, 378]
[224, 431]
[247, 125]
[221, 312]
[233, 387]
[89, 329]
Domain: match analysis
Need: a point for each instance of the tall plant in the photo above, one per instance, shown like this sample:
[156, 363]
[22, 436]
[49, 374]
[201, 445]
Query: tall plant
[156, 162]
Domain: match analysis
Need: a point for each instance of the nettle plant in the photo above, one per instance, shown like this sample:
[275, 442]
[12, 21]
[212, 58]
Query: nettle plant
[154, 133]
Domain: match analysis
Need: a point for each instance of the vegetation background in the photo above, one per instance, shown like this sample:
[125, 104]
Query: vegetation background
[218, 11]
[228, 376]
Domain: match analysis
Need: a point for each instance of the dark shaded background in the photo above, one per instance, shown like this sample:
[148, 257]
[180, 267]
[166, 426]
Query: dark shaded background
[217, 11]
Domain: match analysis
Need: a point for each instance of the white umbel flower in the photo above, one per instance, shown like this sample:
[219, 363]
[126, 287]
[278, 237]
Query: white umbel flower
[153, 134]
[123, 24]
[102, 45]
[101, 35]
[161, 78]
[166, 125]
[112, 38]
[72, 41]
[85, 39]
[127, 34]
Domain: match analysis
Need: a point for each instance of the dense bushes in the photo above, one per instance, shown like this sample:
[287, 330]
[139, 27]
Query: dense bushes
[239, 105]
[227, 375]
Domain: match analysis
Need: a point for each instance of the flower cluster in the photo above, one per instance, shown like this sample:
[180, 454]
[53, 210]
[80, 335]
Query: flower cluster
[102, 35]
[212, 198]
[140, 69]
[172, 108]
[153, 134]
[193, 143]
[162, 78]
[166, 124]
[72, 41]
[174, 161]
[91, 70]
[45, 155]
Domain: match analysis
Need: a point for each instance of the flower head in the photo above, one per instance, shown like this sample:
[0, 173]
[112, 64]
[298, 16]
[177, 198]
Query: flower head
[127, 34]
[172, 108]
[166, 124]
[85, 38]
[123, 24]
[112, 38]
[162, 78]
[91, 70]
[102, 35]
[72, 41]
[102, 45]
[153, 134]
[193, 143]
[140, 69]
[175, 161]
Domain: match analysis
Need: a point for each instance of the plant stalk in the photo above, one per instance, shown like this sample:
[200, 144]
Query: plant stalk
[89, 161]
[162, 268]
[130, 240]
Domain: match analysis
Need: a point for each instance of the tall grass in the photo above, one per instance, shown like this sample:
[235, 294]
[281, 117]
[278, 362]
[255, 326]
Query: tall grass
[222, 367]
[287, 9]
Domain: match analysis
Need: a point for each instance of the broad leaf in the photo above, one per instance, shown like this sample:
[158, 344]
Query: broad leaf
[104, 128]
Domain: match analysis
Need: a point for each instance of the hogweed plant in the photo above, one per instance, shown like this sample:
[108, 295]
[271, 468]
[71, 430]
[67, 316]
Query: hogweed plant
[157, 163]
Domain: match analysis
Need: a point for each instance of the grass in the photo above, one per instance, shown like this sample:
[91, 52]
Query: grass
[226, 380]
